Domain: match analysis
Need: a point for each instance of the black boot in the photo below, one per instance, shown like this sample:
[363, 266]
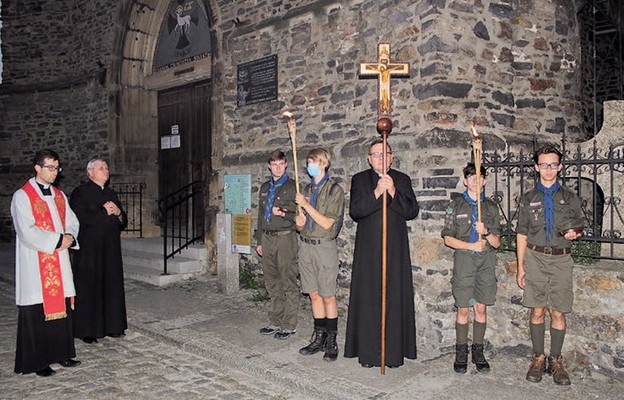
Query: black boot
[478, 359]
[317, 342]
[331, 347]
[461, 358]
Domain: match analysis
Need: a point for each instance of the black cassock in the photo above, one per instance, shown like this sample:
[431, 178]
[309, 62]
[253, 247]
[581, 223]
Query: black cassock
[363, 339]
[100, 307]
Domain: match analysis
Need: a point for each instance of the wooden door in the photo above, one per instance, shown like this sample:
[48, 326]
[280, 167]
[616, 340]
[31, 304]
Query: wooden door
[184, 119]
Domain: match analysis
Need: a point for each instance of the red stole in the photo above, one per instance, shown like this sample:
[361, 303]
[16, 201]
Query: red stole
[49, 264]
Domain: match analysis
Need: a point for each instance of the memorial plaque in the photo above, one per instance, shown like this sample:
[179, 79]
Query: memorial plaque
[256, 81]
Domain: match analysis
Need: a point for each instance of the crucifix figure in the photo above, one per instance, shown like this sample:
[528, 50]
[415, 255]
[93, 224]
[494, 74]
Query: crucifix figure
[384, 70]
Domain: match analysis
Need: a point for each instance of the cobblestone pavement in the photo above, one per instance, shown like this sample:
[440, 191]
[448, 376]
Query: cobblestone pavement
[132, 367]
[188, 341]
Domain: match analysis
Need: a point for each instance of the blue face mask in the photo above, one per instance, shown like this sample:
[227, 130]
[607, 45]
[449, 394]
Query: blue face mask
[314, 170]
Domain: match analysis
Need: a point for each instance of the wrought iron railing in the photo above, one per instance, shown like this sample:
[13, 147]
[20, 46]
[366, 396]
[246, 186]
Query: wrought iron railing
[592, 174]
[131, 197]
[182, 218]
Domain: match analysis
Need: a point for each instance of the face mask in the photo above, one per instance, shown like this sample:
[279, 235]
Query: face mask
[314, 170]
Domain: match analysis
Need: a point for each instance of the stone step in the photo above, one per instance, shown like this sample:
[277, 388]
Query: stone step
[175, 265]
[153, 277]
[143, 261]
[155, 246]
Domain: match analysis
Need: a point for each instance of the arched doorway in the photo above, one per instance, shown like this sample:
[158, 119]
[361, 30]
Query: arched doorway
[160, 124]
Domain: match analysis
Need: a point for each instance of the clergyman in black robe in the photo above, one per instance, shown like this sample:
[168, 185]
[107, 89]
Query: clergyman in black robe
[363, 339]
[100, 308]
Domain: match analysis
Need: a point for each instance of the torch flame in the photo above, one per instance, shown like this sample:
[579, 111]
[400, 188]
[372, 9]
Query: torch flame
[474, 132]
[288, 114]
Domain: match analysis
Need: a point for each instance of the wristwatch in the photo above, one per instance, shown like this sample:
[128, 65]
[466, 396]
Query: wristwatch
[487, 233]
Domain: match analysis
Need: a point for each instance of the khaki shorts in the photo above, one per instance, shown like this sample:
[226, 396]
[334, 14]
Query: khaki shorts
[474, 278]
[548, 281]
[318, 267]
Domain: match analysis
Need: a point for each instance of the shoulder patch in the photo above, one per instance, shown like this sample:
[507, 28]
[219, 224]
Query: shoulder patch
[449, 210]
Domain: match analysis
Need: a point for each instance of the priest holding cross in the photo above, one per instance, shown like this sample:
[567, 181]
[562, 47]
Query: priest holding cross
[380, 327]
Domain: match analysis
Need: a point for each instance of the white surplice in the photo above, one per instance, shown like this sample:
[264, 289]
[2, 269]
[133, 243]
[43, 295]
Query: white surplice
[32, 239]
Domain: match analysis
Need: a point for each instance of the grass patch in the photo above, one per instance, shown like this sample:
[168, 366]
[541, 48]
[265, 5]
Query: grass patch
[247, 280]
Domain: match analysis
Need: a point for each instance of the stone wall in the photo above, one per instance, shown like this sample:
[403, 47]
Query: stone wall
[508, 66]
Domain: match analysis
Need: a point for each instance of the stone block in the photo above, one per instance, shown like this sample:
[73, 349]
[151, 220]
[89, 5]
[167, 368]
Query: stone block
[481, 31]
[539, 85]
[445, 89]
[501, 10]
[602, 283]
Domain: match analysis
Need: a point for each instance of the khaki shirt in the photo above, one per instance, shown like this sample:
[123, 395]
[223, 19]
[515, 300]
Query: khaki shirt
[285, 198]
[330, 203]
[531, 212]
[458, 219]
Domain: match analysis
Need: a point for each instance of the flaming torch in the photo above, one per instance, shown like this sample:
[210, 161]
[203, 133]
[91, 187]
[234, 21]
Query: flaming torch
[477, 151]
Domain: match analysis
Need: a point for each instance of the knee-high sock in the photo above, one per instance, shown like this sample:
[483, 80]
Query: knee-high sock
[537, 337]
[556, 341]
[461, 333]
[478, 332]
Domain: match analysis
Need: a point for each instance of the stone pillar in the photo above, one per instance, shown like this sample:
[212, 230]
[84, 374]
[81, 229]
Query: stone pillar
[609, 136]
[227, 262]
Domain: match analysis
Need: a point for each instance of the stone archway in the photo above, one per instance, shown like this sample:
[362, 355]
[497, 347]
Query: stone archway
[133, 103]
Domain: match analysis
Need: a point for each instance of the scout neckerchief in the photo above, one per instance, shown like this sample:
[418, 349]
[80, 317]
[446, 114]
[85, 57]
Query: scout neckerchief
[273, 188]
[549, 205]
[474, 235]
[310, 224]
[49, 264]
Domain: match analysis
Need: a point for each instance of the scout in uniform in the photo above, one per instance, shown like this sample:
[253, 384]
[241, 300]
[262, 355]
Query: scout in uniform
[549, 218]
[277, 245]
[474, 277]
[323, 204]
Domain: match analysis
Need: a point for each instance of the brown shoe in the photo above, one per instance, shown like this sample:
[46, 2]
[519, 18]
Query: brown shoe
[537, 368]
[557, 370]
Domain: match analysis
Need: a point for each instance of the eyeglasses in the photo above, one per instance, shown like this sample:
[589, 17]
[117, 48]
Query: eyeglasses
[378, 154]
[553, 165]
[52, 168]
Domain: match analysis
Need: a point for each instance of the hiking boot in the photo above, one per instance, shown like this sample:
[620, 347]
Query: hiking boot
[478, 359]
[537, 368]
[557, 370]
[284, 334]
[331, 347]
[461, 358]
[317, 342]
[269, 330]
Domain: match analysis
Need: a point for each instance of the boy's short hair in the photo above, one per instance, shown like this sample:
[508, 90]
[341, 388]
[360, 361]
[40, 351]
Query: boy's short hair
[320, 154]
[547, 149]
[471, 169]
[277, 155]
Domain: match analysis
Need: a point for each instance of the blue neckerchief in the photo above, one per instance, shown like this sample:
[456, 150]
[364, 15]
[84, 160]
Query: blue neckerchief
[273, 187]
[313, 199]
[549, 205]
[474, 235]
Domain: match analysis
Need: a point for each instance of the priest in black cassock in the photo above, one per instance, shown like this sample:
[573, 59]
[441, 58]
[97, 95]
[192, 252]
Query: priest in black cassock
[98, 270]
[363, 338]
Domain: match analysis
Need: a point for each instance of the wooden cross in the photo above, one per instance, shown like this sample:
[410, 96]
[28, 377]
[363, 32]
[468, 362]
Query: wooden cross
[384, 70]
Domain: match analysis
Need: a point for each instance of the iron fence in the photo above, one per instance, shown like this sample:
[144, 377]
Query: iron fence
[595, 175]
[131, 197]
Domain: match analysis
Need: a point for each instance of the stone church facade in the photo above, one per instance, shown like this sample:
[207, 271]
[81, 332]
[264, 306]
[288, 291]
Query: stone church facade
[84, 78]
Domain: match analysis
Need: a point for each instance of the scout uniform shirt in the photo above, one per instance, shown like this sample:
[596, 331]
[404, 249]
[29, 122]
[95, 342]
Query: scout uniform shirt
[531, 216]
[285, 198]
[330, 203]
[458, 220]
